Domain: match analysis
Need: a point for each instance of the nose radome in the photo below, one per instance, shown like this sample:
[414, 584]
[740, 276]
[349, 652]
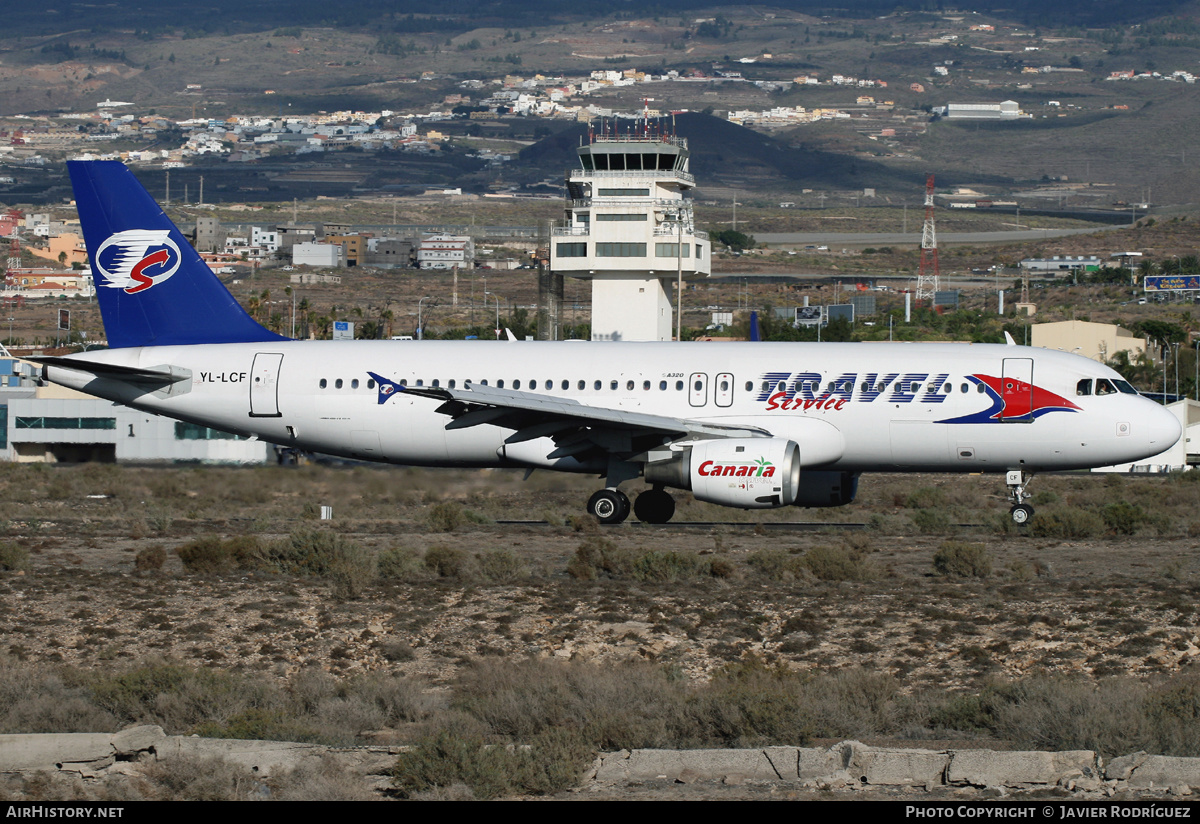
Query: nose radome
[1163, 428]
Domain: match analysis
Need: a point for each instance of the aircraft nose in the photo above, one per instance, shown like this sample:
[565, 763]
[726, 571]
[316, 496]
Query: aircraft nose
[1162, 428]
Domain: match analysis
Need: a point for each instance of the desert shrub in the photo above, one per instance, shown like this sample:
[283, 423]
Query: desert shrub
[925, 497]
[323, 779]
[598, 556]
[931, 521]
[959, 559]
[210, 554]
[445, 516]
[668, 567]
[1122, 517]
[201, 778]
[401, 564]
[551, 761]
[1066, 523]
[830, 563]
[149, 559]
[180, 698]
[776, 564]
[207, 554]
[447, 561]
[321, 554]
[501, 566]
[1055, 714]
[13, 557]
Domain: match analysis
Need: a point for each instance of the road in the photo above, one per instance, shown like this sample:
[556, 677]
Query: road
[840, 239]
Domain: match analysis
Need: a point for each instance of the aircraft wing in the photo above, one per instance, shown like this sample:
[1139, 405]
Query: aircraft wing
[575, 427]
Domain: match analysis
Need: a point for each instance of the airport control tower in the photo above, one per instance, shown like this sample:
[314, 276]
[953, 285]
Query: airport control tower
[630, 230]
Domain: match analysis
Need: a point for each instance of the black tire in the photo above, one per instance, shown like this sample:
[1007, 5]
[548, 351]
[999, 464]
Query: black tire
[1021, 514]
[609, 506]
[654, 506]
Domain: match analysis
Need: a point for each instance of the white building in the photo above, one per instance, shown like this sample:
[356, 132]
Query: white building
[630, 230]
[1008, 110]
[446, 252]
[319, 254]
[265, 239]
[81, 428]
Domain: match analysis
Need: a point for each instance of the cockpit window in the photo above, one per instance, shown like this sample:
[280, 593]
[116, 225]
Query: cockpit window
[1084, 387]
[1125, 387]
[1105, 387]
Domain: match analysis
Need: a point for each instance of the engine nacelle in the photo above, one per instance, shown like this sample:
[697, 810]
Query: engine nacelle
[825, 488]
[749, 473]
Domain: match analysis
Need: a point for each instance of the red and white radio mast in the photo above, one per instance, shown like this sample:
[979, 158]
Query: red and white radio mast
[927, 275]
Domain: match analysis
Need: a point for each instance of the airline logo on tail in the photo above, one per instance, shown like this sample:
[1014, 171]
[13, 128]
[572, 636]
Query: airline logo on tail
[137, 259]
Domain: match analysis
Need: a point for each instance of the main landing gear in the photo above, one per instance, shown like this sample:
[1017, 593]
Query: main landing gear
[611, 506]
[1017, 480]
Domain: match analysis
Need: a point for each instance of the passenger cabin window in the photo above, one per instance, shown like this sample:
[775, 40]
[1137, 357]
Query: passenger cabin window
[1084, 387]
[337, 384]
[597, 385]
[324, 383]
[354, 383]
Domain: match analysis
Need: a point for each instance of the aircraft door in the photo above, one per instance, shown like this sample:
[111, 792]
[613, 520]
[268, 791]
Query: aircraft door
[264, 385]
[698, 389]
[723, 389]
[1016, 390]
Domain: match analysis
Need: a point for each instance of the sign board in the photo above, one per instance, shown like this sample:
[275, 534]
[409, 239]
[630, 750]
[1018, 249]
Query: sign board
[808, 315]
[946, 298]
[64, 319]
[863, 304]
[722, 318]
[836, 311]
[1172, 283]
[343, 330]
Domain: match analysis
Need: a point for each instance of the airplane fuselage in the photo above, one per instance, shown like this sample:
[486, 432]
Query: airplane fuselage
[851, 407]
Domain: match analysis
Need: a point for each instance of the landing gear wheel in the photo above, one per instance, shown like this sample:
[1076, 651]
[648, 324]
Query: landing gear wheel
[1021, 514]
[609, 506]
[654, 506]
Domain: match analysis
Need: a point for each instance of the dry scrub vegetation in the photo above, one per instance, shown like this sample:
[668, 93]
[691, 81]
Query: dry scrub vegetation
[212, 602]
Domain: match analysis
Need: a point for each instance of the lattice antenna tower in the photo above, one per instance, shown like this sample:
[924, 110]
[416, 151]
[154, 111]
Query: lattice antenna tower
[14, 256]
[927, 275]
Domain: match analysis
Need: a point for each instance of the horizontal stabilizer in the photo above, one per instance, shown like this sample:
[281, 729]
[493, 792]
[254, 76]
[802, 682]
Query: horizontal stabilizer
[158, 376]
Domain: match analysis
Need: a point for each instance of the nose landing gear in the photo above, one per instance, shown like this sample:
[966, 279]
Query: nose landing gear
[1017, 480]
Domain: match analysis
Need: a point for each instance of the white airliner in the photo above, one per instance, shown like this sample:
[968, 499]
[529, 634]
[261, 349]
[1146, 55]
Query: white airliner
[749, 425]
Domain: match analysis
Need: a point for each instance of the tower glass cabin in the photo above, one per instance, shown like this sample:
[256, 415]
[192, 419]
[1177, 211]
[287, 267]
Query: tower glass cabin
[630, 230]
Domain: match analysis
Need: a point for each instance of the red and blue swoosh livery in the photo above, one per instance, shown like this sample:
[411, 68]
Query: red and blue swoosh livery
[1013, 400]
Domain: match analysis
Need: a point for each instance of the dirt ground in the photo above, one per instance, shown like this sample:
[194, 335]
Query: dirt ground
[1097, 607]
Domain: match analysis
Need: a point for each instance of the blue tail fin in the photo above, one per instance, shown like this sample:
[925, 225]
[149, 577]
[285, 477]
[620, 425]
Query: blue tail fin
[153, 288]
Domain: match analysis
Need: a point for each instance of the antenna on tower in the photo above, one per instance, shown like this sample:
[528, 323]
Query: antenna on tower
[927, 275]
